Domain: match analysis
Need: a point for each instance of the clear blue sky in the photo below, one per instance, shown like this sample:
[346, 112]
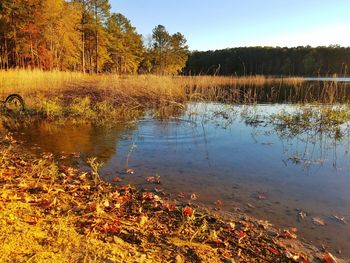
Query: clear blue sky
[230, 23]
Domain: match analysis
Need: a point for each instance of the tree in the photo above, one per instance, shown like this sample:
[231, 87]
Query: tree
[178, 53]
[101, 9]
[59, 23]
[125, 45]
[94, 39]
[161, 46]
[169, 52]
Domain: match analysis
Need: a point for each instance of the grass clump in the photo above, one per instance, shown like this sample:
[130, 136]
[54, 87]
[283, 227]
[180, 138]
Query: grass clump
[313, 120]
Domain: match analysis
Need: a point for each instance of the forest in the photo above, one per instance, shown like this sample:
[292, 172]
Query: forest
[85, 36]
[272, 61]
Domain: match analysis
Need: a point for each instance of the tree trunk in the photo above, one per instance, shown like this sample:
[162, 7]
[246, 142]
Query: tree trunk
[96, 39]
[83, 38]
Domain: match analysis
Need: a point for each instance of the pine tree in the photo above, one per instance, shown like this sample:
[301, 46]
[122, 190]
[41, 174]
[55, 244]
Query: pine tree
[125, 45]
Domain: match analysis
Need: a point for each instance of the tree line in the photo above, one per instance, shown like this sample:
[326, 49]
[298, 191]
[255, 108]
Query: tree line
[83, 35]
[298, 61]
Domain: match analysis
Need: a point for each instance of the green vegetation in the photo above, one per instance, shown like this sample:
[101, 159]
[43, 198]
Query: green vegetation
[315, 120]
[299, 61]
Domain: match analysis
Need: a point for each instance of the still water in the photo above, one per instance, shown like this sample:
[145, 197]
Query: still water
[223, 152]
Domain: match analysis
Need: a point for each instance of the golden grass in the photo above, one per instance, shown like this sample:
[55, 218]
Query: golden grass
[29, 81]
[233, 81]
[65, 94]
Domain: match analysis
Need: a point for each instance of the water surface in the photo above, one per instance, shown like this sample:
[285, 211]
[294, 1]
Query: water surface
[223, 152]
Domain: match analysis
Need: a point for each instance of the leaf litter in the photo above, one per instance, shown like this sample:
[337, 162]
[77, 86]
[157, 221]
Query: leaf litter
[75, 216]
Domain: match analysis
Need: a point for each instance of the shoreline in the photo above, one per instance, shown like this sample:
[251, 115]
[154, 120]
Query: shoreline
[52, 212]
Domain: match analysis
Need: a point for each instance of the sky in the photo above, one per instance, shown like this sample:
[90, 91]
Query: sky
[219, 24]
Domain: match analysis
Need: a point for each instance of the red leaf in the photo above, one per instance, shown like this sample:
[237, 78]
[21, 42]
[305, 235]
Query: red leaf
[329, 258]
[91, 206]
[274, 251]
[187, 211]
[153, 179]
[170, 207]
[240, 234]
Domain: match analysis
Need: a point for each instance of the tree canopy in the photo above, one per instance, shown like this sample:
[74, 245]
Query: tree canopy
[82, 35]
[298, 61]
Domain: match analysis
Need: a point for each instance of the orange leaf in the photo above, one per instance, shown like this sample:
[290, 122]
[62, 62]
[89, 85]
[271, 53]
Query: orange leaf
[181, 195]
[274, 251]
[218, 203]
[117, 179]
[187, 211]
[329, 258]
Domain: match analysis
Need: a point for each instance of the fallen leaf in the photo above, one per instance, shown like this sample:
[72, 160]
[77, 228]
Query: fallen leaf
[130, 171]
[318, 221]
[218, 203]
[117, 179]
[194, 196]
[106, 203]
[153, 179]
[158, 190]
[240, 235]
[179, 259]
[296, 258]
[290, 233]
[187, 211]
[112, 228]
[91, 206]
[329, 258]
[143, 220]
[250, 205]
[273, 251]
[301, 215]
[168, 206]
[232, 225]
[341, 219]
[261, 196]
[148, 195]
[181, 195]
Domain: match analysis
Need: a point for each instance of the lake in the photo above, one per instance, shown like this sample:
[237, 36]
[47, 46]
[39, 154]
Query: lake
[231, 153]
[234, 153]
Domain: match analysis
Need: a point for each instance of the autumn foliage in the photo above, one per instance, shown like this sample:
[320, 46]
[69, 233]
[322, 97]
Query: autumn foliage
[82, 35]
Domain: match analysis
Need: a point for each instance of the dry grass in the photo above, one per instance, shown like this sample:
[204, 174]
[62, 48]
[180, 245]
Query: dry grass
[232, 81]
[114, 96]
[28, 81]
[34, 81]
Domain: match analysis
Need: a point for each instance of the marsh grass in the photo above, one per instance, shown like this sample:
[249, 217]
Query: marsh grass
[81, 95]
[314, 120]
[106, 98]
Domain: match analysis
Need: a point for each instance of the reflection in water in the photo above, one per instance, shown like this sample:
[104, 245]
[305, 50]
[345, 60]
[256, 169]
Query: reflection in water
[229, 153]
[68, 138]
